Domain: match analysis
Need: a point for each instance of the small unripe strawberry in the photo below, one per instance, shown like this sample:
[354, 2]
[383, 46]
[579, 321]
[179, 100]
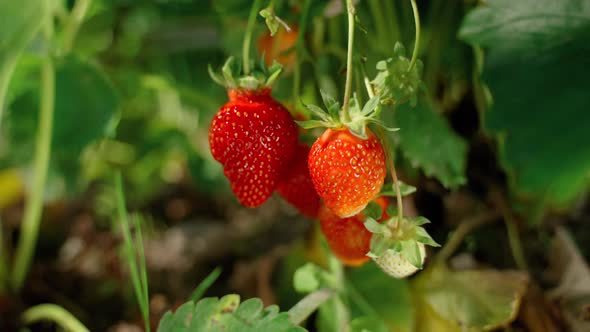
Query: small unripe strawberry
[397, 266]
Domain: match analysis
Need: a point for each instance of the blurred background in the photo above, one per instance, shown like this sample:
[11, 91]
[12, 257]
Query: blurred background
[500, 131]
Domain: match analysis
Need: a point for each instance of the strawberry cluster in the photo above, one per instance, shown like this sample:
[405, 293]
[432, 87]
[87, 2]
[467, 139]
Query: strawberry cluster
[340, 179]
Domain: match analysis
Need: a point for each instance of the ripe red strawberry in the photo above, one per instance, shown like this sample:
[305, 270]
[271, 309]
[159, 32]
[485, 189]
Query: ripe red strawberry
[253, 136]
[296, 186]
[348, 238]
[347, 171]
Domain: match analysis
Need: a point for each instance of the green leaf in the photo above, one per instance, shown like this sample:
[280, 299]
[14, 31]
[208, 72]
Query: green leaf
[391, 210]
[307, 278]
[226, 314]
[419, 221]
[373, 226]
[405, 189]
[379, 245]
[479, 299]
[388, 300]
[411, 252]
[429, 143]
[270, 19]
[373, 210]
[86, 105]
[317, 111]
[328, 100]
[542, 144]
[528, 26]
[20, 21]
[370, 106]
[423, 237]
[309, 124]
[368, 324]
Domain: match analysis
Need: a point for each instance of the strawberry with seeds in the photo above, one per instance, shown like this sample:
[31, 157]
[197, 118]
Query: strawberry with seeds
[348, 238]
[253, 137]
[297, 187]
[347, 162]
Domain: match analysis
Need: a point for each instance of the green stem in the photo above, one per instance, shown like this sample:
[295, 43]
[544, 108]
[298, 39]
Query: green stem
[515, 244]
[6, 72]
[3, 264]
[417, 42]
[75, 19]
[138, 279]
[380, 25]
[205, 284]
[389, 157]
[390, 12]
[32, 215]
[511, 228]
[56, 314]
[306, 306]
[464, 228]
[248, 37]
[347, 85]
[361, 302]
[299, 47]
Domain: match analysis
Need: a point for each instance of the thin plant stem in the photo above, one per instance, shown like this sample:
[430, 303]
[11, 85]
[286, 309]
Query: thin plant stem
[388, 156]
[515, 244]
[3, 264]
[511, 229]
[390, 12]
[248, 37]
[380, 25]
[306, 306]
[32, 215]
[142, 270]
[6, 72]
[348, 84]
[54, 313]
[205, 284]
[298, 50]
[75, 19]
[466, 227]
[137, 270]
[357, 297]
[417, 41]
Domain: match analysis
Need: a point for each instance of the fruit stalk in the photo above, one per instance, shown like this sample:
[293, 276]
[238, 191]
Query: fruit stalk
[32, 215]
[55, 314]
[464, 228]
[6, 71]
[248, 37]
[298, 48]
[417, 42]
[347, 85]
[388, 156]
[74, 21]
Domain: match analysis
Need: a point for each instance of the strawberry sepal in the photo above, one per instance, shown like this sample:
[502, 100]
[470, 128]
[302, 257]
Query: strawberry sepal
[396, 82]
[231, 76]
[399, 242]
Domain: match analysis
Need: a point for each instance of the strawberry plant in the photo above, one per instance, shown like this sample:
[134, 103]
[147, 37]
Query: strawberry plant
[339, 165]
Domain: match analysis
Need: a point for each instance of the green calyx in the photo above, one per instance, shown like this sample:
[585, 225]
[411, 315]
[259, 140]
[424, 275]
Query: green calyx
[402, 235]
[231, 76]
[358, 119]
[397, 83]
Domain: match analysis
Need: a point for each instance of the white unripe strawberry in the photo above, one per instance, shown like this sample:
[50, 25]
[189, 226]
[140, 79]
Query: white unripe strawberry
[397, 266]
